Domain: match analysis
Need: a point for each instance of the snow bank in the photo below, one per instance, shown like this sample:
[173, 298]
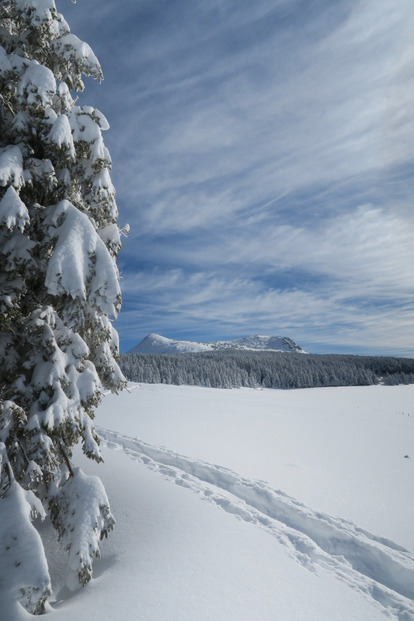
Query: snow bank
[252, 504]
[338, 450]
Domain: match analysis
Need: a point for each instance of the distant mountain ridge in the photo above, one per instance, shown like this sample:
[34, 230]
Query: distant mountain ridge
[157, 344]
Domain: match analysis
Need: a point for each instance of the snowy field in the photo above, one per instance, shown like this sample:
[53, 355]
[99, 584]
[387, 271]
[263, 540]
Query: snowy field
[252, 505]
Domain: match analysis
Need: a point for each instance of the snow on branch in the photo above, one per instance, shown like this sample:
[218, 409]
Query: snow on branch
[11, 166]
[37, 85]
[81, 265]
[61, 134]
[23, 567]
[78, 55]
[13, 212]
[80, 512]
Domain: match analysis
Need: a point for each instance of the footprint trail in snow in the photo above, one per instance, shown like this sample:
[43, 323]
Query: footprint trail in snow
[379, 568]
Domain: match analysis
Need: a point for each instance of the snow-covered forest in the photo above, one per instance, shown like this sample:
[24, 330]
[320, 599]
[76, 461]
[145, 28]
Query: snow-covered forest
[235, 369]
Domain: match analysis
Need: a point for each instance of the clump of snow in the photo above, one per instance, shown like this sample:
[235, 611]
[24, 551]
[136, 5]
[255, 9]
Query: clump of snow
[40, 9]
[11, 166]
[61, 134]
[81, 512]
[37, 85]
[111, 237]
[80, 259]
[79, 54]
[24, 574]
[5, 64]
[13, 212]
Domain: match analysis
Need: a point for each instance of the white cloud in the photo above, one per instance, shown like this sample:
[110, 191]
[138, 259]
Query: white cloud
[366, 253]
[257, 142]
[326, 119]
[177, 303]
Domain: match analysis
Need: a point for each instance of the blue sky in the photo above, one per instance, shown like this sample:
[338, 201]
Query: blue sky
[263, 156]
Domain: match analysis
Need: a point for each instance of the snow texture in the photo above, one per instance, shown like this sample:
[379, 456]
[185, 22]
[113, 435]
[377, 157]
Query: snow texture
[83, 516]
[75, 51]
[11, 166]
[369, 563]
[81, 265]
[262, 504]
[37, 86]
[61, 134]
[13, 212]
[24, 572]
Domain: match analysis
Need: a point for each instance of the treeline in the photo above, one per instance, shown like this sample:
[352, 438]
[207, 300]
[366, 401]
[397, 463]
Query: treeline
[235, 369]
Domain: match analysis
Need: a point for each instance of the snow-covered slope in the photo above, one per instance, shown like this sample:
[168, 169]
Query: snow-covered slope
[250, 505]
[156, 344]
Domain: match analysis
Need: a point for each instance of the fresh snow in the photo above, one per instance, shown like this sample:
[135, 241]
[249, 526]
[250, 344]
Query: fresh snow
[71, 268]
[251, 504]
[70, 47]
[11, 166]
[157, 344]
[37, 85]
[23, 561]
[13, 212]
[338, 450]
[61, 134]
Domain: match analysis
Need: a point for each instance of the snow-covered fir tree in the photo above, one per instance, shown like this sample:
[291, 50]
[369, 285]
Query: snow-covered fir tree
[59, 291]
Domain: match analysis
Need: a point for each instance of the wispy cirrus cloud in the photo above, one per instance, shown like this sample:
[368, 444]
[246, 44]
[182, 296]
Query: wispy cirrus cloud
[263, 156]
[316, 318]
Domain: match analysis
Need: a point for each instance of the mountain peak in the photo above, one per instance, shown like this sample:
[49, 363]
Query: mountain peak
[157, 344]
